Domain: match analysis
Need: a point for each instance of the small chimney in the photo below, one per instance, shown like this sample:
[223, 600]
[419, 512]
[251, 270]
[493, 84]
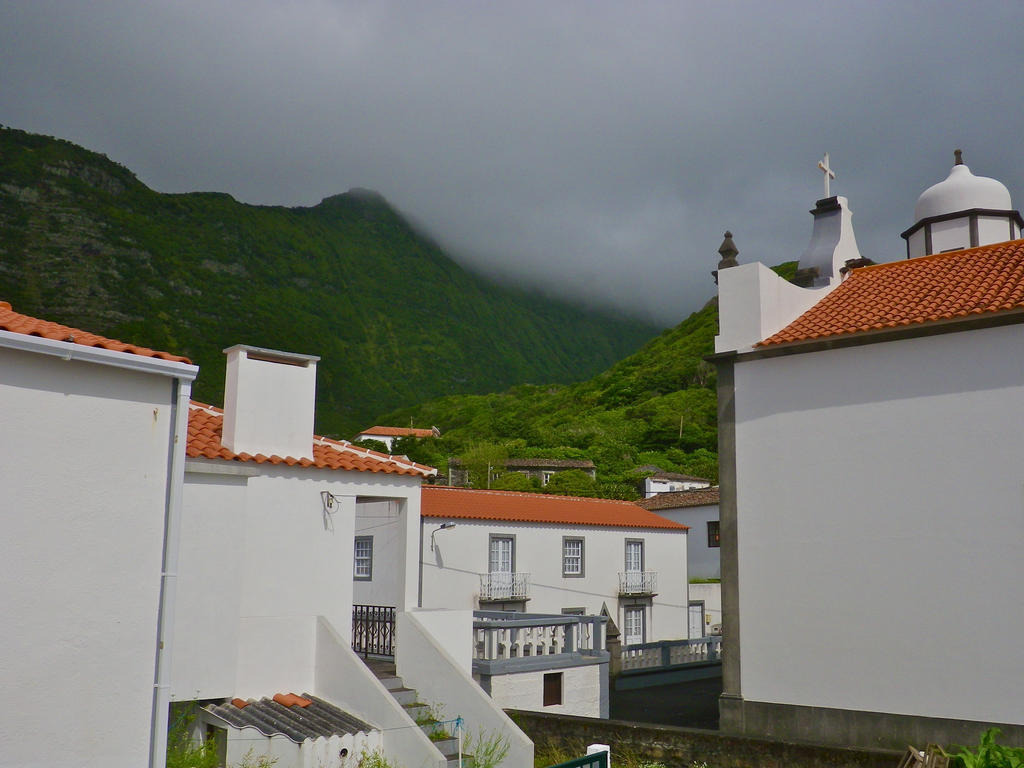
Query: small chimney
[269, 402]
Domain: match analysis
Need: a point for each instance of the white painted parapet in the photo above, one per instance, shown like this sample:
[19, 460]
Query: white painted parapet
[754, 303]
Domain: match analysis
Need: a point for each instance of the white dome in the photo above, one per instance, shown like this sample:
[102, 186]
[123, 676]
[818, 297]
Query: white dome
[961, 191]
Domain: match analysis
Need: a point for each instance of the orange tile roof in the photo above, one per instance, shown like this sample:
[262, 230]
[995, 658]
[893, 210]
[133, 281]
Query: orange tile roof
[442, 501]
[928, 289]
[398, 432]
[15, 322]
[206, 423]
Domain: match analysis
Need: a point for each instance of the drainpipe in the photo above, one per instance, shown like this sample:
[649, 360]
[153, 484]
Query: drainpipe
[181, 393]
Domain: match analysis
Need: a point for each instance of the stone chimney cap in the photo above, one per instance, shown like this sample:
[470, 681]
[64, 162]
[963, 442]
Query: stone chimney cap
[273, 355]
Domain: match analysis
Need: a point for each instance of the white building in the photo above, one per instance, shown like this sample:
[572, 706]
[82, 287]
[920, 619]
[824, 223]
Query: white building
[269, 557]
[659, 481]
[90, 488]
[849, 415]
[698, 510]
[388, 435]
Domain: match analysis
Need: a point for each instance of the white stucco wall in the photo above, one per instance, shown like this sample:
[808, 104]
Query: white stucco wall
[711, 596]
[385, 521]
[83, 489]
[581, 691]
[451, 573]
[702, 561]
[880, 503]
[263, 557]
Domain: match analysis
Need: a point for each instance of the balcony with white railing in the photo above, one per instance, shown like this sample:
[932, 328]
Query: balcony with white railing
[509, 640]
[504, 587]
[638, 583]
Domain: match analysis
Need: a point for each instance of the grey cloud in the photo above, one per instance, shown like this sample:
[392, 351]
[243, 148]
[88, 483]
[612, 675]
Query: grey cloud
[596, 150]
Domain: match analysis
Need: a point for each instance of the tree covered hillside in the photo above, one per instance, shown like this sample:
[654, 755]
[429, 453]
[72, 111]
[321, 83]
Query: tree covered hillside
[393, 318]
[657, 406]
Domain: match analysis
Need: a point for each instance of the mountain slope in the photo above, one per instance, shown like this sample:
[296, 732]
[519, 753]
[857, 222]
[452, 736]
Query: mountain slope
[394, 319]
[657, 406]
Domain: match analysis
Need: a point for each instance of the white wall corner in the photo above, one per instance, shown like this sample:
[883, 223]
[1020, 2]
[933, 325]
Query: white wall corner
[754, 303]
[269, 402]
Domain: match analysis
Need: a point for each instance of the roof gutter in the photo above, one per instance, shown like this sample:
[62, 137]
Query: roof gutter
[180, 396]
[68, 350]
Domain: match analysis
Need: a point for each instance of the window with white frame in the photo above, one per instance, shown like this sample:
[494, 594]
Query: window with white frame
[633, 624]
[545, 477]
[634, 555]
[362, 569]
[572, 557]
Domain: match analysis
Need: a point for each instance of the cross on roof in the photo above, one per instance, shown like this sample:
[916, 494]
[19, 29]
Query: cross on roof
[829, 174]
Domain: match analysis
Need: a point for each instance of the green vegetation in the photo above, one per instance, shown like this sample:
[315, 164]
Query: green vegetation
[657, 406]
[988, 754]
[375, 759]
[552, 752]
[395, 321]
[488, 748]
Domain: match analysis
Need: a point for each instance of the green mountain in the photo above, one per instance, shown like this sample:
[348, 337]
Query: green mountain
[393, 318]
[657, 406]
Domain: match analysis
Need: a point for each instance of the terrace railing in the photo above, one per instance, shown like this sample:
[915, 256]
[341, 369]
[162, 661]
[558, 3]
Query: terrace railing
[496, 587]
[638, 582]
[671, 653]
[507, 635]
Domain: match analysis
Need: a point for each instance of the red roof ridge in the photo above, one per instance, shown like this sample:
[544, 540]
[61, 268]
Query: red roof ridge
[16, 322]
[526, 494]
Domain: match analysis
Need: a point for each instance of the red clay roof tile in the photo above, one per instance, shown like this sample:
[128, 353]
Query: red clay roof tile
[15, 322]
[940, 287]
[206, 423]
[448, 502]
[291, 700]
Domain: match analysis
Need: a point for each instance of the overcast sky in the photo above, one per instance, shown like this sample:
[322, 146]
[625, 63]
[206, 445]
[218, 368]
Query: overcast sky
[596, 149]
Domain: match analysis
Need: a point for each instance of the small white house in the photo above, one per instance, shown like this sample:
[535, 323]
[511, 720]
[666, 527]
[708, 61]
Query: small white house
[698, 510]
[388, 435]
[658, 481]
[90, 493]
[849, 414]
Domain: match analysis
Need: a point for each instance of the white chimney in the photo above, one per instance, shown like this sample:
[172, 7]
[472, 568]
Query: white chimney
[269, 400]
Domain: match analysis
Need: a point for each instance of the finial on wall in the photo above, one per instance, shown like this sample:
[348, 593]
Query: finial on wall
[727, 250]
[958, 157]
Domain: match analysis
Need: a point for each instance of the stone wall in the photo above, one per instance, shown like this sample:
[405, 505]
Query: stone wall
[679, 747]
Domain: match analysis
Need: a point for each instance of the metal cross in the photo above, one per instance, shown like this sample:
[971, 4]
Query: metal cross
[829, 174]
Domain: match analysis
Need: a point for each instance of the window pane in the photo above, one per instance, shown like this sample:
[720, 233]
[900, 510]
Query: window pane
[572, 557]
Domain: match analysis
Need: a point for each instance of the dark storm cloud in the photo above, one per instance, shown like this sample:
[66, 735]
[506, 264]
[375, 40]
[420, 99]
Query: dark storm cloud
[598, 150]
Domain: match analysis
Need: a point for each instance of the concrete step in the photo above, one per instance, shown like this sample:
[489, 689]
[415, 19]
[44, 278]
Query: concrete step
[405, 696]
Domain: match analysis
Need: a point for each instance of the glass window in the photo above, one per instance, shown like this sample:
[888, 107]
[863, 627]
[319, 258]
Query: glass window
[363, 561]
[634, 556]
[572, 557]
[714, 535]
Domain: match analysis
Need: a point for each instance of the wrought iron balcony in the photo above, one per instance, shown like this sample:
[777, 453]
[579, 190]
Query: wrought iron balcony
[498, 587]
[638, 583]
